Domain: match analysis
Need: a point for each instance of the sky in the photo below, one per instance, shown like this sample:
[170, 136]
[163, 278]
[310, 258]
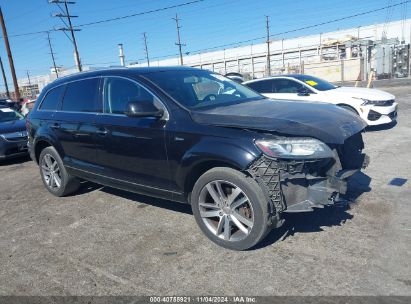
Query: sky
[204, 24]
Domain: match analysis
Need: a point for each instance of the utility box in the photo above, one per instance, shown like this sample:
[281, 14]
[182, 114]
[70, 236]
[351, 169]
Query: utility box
[383, 58]
[400, 61]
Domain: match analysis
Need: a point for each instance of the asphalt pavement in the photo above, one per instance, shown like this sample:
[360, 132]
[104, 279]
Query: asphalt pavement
[104, 241]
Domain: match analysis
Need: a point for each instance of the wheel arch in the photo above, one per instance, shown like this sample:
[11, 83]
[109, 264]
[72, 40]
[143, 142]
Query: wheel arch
[202, 167]
[211, 153]
[41, 143]
[342, 105]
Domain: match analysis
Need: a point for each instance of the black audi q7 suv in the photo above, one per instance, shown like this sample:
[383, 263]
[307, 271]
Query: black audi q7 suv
[189, 135]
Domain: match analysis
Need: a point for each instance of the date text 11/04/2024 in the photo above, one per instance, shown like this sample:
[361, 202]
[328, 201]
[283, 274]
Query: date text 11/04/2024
[202, 299]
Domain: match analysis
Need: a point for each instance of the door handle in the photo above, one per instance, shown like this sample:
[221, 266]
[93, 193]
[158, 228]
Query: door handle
[102, 132]
[55, 126]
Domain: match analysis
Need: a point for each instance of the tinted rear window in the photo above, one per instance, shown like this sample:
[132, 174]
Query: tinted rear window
[262, 86]
[286, 86]
[82, 96]
[52, 99]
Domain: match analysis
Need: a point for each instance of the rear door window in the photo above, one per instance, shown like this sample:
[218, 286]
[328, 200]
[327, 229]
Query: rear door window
[52, 99]
[82, 96]
[287, 86]
[262, 86]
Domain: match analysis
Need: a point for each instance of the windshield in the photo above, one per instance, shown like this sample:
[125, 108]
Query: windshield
[196, 89]
[7, 114]
[316, 83]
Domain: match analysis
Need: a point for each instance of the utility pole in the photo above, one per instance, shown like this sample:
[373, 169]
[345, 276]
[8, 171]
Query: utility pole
[4, 79]
[178, 39]
[146, 49]
[28, 78]
[409, 56]
[121, 54]
[52, 55]
[268, 45]
[9, 55]
[69, 27]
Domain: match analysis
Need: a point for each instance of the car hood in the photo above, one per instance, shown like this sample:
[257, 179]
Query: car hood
[325, 122]
[12, 126]
[370, 94]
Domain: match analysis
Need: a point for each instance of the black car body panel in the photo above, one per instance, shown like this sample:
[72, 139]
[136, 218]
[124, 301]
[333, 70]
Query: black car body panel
[12, 126]
[164, 157]
[13, 138]
[286, 117]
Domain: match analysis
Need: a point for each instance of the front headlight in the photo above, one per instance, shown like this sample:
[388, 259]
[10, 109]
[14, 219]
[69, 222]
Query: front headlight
[294, 148]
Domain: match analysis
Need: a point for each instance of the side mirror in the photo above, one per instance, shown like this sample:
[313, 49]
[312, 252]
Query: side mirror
[303, 92]
[143, 108]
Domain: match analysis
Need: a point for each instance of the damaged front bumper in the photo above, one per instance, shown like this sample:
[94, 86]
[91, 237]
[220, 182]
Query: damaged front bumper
[301, 185]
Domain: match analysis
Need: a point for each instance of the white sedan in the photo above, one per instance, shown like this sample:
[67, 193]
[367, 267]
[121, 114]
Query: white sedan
[376, 107]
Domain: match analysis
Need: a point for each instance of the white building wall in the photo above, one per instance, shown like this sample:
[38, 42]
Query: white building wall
[372, 32]
[242, 54]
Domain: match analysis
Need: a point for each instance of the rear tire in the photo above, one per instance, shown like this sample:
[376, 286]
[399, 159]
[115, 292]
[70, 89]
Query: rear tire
[230, 208]
[54, 175]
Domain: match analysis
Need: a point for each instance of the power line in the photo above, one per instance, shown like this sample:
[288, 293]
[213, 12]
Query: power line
[141, 13]
[303, 28]
[192, 2]
[111, 19]
[69, 26]
[26, 34]
[228, 44]
[341, 19]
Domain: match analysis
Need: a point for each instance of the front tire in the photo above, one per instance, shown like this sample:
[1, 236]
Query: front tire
[54, 175]
[230, 208]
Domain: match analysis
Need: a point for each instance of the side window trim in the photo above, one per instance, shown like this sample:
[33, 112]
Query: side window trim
[60, 103]
[271, 86]
[103, 90]
[274, 87]
[308, 88]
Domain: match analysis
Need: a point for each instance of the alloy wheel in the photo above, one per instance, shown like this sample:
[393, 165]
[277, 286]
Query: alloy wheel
[51, 172]
[226, 210]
